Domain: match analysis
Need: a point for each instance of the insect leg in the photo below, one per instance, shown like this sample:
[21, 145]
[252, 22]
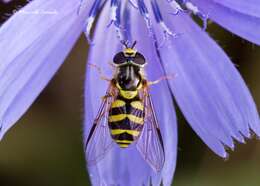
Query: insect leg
[111, 65]
[160, 79]
[100, 72]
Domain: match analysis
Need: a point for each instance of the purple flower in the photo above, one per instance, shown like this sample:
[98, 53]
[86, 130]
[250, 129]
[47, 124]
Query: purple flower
[207, 87]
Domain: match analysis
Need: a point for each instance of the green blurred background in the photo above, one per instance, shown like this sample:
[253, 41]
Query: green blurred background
[45, 147]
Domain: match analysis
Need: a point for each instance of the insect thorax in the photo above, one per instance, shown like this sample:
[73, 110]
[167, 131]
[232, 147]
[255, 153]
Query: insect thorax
[128, 77]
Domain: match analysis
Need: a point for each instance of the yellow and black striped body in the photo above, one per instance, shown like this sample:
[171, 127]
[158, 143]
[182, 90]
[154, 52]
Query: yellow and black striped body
[126, 118]
[126, 115]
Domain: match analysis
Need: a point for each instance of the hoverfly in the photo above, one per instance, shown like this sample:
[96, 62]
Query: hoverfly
[126, 115]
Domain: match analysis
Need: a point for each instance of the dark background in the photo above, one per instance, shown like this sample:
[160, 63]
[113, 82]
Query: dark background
[45, 147]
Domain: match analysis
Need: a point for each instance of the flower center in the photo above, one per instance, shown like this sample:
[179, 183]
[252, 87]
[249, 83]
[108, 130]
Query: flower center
[121, 7]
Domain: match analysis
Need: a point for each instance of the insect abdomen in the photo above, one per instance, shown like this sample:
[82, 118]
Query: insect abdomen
[126, 120]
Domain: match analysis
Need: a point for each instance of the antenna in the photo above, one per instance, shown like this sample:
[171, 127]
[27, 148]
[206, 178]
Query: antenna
[133, 44]
[125, 43]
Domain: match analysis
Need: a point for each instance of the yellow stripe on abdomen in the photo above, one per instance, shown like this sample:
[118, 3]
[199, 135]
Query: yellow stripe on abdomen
[120, 117]
[123, 145]
[137, 105]
[121, 131]
[124, 141]
[115, 118]
[128, 94]
[135, 119]
[118, 103]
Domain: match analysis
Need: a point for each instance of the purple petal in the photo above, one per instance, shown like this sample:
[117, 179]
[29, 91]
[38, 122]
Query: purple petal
[33, 46]
[249, 7]
[126, 167]
[161, 95]
[238, 16]
[114, 168]
[208, 88]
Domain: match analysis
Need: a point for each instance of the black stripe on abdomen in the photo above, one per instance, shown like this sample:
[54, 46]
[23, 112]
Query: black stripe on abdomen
[124, 139]
[125, 124]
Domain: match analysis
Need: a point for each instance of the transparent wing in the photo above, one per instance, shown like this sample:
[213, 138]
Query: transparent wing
[99, 141]
[150, 143]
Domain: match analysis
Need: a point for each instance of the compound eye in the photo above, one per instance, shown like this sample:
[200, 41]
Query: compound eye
[119, 58]
[139, 59]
